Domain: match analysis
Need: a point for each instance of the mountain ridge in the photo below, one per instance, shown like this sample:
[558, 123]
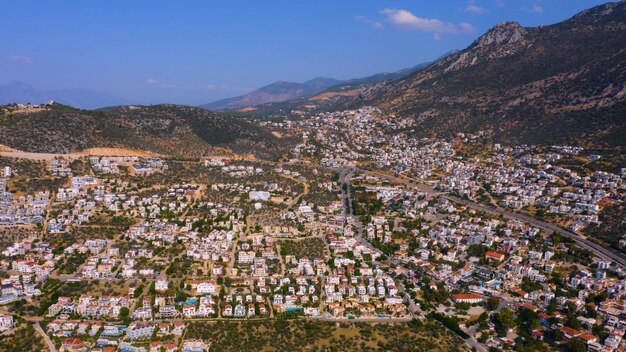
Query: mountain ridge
[316, 86]
[335, 96]
[278, 91]
[385, 76]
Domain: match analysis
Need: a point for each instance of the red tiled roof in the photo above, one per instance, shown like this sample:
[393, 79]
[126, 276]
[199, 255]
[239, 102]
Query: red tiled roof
[467, 296]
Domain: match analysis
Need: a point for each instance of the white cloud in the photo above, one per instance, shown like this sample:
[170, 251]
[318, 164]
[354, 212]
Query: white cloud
[467, 27]
[406, 20]
[473, 8]
[437, 37]
[20, 59]
[500, 3]
[155, 83]
[377, 25]
[537, 8]
[373, 24]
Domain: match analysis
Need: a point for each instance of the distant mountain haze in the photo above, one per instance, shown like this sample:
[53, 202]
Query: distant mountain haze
[20, 92]
[383, 76]
[282, 91]
[275, 92]
[320, 99]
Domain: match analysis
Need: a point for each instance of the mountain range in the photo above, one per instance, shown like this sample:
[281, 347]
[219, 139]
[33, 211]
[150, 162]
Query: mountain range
[282, 91]
[20, 92]
[565, 81]
[556, 83]
[562, 83]
[274, 92]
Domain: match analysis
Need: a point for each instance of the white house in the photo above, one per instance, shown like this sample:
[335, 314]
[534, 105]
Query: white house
[259, 195]
[161, 285]
[6, 321]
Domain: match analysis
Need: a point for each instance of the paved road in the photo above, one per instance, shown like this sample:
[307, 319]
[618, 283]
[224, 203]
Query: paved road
[46, 338]
[600, 251]
[76, 277]
[345, 175]
[473, 342]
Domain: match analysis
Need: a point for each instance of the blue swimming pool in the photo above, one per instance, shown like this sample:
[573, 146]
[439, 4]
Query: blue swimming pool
[191, 301]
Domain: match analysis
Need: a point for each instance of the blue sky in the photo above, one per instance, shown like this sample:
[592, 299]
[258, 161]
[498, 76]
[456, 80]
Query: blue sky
[194, 52]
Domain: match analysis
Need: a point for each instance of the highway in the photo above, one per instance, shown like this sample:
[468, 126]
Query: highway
[601, 252]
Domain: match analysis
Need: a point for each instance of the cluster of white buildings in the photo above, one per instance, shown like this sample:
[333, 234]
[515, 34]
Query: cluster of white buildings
[22, 210]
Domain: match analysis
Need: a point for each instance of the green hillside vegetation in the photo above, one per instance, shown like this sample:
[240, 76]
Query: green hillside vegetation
[302, 335]
[172, 130]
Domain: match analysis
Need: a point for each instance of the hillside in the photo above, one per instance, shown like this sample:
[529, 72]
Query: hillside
[275, 92]
[356, 83]
[281, 96]
[165, 129]
[552, 83]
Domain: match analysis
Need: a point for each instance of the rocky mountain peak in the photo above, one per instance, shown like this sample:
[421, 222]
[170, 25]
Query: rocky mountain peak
[502, 33]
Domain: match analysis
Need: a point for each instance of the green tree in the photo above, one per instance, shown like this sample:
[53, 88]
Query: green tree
[576, 345]
[552, 306]
[493, 303]
[124, 312]
[572, 322]
[504, 321]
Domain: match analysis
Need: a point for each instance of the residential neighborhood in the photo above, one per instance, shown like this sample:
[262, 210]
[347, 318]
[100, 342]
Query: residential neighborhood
[351, 227]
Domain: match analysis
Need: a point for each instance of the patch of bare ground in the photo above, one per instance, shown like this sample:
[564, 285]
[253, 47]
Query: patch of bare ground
[14, 153]
[328, 95]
